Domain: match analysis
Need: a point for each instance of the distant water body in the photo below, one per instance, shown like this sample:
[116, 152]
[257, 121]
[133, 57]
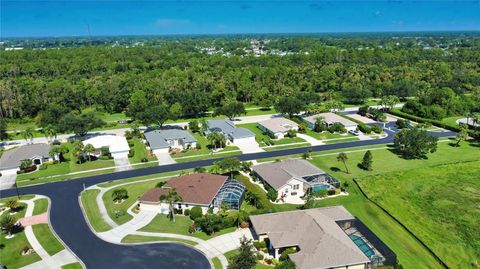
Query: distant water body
[23, 18]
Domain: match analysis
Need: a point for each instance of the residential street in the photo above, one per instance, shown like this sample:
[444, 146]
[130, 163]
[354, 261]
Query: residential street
[69, 223]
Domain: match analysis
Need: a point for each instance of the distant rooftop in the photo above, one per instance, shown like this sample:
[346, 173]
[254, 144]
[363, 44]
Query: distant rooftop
[13, 158]
[158, 139]
[279, 125]
[227, 127]
[330, 118]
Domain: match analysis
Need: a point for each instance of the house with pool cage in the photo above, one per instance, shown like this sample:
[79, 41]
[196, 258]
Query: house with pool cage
[294, 178]
[328, 237]
[196, 189]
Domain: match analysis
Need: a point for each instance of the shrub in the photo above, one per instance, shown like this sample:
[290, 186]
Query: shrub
[128, 135]
[337, 127]
[331, 192]
[119, 194]
[376, 129]
[364, 128]
[272, 194]
[144, 160]
[286, 252]
[195, 213]
[259, 244]
[291, 133]
[192, 228]
[209, 223]
[131, 153]
[259, 256]
[42, 167]
[30, 169]
[268, 261]
[401, 123]
[186, 212]
[320, 193]
[198, 146]
[105, 152]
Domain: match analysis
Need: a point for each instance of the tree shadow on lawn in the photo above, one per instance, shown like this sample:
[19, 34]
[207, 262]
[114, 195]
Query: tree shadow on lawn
[335, 169]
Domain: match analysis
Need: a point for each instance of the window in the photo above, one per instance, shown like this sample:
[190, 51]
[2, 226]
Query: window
[296, 186]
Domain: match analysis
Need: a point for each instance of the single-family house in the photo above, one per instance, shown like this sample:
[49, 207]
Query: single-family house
[166, 139]
[38, 153]
[317, 235]
[293, 177]
[233, 133]
[278, 127]
[117, 145]
[196, 189]
[330, 118]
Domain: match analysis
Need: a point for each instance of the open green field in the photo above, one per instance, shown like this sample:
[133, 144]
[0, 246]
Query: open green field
[93, 213]
[438, 204]
[133, 238]
[161, 224]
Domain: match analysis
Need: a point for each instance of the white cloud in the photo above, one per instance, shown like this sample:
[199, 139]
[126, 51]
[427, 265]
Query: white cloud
[170, 22]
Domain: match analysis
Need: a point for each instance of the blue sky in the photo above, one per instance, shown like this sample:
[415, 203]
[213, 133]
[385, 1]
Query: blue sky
[21, 18]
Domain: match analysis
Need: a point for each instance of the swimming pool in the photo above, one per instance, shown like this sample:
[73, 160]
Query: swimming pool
[319, 187]
[362, 245]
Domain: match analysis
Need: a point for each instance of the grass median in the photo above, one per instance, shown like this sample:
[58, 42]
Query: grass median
[90, 208]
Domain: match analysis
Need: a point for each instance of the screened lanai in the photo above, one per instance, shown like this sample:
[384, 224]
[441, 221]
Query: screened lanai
[231, 194]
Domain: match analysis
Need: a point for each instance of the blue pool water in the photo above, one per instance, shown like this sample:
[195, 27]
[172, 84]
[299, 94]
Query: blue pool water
[362, 245]
[319, 187]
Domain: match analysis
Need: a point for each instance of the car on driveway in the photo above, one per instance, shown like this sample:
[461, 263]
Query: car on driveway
[354, 132]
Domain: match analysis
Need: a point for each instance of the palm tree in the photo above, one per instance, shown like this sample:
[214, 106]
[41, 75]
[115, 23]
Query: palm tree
[50, 132]
[90, 150]
[28, 134]
[216, 139]
[342, 157]
[320, 124]
[12, 204]
[171, 197]
[8, 224]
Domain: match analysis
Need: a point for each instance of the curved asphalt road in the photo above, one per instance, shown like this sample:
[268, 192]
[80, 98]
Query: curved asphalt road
[68, 222]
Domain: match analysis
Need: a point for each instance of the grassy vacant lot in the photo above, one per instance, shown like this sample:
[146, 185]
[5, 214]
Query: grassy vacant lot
[161, 224]
[134, 191]
[93, 213]
[438, 205]
[10, 253]
[133, 238]
[260, 137]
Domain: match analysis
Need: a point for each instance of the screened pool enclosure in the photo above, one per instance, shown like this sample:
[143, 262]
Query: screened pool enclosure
[231, 194]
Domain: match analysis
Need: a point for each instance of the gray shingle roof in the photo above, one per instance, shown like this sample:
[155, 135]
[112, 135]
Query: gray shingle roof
[322, 243]
[278, 174]
[330, 118]
[158, 139]
[227, 127]
[279, 125]
[13, 158]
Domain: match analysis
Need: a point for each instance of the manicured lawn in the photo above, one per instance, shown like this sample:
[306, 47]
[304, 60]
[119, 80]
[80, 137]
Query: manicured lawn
[10, 252]
[326, 135]
[54, 169]
[63, 177]
[134, 191]
[438, 205]
[93, 213]
[230, 254]
[46, 238]
[452, 120]
[161, 224]
[261, 137]
[286, 146]
[133, 238]
[140, 152]
[343, 140]
[216, 263]
[41, 206]
[135, 179]
[75, 265]
[204, 150]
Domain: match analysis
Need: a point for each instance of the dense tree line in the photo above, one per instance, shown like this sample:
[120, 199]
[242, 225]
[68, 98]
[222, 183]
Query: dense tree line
[55, 82]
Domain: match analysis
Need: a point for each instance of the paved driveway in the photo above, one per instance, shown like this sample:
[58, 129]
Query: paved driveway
[122, 164]
[309, 139]
[247, 146]
[163, 157]
[8, 178]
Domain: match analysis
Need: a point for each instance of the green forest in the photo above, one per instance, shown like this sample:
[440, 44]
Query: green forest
[440, 75]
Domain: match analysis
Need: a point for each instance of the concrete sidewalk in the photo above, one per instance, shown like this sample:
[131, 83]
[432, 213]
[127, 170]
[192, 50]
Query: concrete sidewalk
[309, 139]
[116, 234]
[55, 261]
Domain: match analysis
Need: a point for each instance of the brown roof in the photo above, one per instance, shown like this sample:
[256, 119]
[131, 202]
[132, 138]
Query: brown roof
[322, 243]
[193, 188]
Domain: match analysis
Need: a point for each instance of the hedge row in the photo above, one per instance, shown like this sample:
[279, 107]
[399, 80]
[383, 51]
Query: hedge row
[262, 201]
[455, 128]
